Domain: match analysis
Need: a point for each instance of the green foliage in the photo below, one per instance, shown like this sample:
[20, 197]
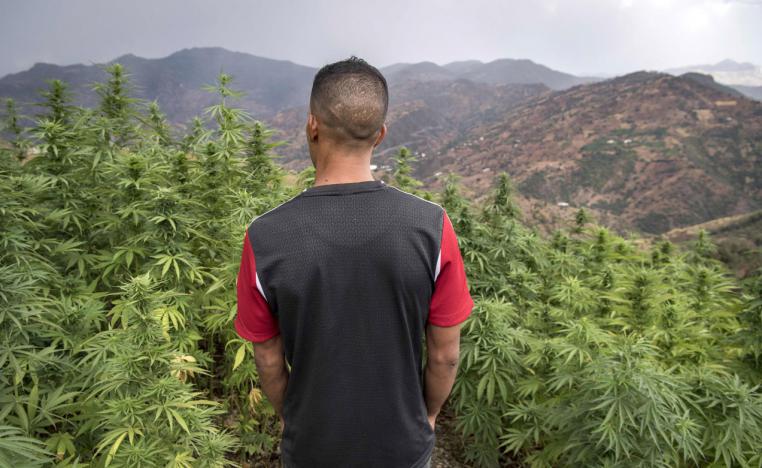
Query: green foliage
[750, 336]
[119, 249]
[120, 246]
[585, 351]
[12, 127]
[403, 169]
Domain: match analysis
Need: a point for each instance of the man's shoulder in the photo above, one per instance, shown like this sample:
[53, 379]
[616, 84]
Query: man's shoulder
[415, 199]
[274, 213]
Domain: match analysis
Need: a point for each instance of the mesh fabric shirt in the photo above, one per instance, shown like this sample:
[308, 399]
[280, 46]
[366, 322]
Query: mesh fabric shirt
[349, 275]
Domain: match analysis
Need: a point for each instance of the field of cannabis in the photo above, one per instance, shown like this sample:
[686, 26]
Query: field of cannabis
[120, 242]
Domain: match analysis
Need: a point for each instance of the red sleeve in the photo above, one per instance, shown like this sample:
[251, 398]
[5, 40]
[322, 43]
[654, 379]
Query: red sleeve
[254, 321]
[451, 303]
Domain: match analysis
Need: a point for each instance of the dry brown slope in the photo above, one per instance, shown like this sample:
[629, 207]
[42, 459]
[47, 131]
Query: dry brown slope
[647, 150]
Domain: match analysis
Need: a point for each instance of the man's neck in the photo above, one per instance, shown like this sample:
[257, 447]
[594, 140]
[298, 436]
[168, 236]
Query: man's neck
[343, 169]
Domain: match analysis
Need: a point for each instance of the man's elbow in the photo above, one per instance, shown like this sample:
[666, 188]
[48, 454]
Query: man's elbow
[443, 346]
[448, 358]
[269, 354]
[268, 361]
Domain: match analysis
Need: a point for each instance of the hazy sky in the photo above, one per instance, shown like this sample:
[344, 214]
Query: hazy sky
[577, 36]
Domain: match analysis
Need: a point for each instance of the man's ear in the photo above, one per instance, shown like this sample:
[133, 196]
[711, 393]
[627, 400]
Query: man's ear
[311, 127]
[381, 135]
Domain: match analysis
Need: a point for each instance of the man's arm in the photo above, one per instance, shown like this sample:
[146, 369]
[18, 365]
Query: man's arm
[273, 373]
[443, 354]
[450, 306]
[256, 323]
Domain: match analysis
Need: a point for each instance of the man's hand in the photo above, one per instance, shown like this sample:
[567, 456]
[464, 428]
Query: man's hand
[282, 425]
[432, 422]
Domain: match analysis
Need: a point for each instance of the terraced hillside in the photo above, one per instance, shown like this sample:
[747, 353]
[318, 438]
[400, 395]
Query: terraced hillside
[645, 151]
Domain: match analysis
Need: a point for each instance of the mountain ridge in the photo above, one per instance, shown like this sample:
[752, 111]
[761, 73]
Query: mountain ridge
[271, 85]
[175, 81]
[745, 77]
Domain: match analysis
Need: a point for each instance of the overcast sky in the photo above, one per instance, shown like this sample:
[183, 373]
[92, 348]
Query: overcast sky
[577, 36]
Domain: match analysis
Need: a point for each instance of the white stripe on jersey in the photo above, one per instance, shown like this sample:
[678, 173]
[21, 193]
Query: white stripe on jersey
[439, 259]
[259, 286]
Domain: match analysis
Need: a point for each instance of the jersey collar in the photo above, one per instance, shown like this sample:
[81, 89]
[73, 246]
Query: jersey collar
[345, 188]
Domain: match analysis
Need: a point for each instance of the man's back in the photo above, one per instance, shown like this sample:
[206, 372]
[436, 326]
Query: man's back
[347, 275]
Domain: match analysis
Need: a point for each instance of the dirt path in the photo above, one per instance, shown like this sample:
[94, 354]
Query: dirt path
[448, 451]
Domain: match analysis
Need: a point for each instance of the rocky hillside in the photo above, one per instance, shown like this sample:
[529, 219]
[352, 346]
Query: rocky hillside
[647, 151]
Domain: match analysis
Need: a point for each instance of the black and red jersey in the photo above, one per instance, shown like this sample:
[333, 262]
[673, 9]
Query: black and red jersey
[349, 275]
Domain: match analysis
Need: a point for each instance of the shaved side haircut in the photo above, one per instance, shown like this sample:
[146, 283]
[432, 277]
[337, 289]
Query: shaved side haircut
[350, 98]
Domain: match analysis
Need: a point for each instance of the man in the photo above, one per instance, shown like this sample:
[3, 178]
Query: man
[341, 282]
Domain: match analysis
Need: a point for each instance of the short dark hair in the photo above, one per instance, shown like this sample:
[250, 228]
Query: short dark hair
[350, 97]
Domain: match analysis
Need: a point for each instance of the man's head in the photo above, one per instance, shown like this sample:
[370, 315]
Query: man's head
[348, 106]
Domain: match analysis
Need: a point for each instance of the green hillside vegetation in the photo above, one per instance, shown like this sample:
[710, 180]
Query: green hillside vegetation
[121, 240]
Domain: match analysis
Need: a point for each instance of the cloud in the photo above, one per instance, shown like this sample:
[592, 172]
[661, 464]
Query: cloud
[577, 36]
[745, 2]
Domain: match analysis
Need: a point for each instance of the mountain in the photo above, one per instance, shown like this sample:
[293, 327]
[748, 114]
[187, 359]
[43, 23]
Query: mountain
[463, 66]
[176, 81]
[726, 72]
[645, 151]
[422, 71]
[725, 66]
[709, 81]
[502, 71]
[744, 77]
[510, 71]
